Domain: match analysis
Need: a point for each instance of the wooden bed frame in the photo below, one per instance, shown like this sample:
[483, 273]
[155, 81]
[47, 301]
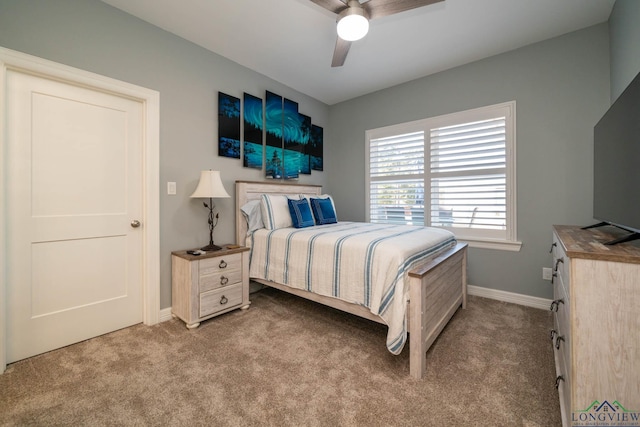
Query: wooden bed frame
[437, 287]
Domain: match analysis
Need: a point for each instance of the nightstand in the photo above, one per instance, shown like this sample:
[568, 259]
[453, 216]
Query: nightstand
[205, 286]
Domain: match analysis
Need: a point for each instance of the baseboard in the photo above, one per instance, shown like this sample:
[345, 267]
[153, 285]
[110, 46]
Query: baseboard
[165, 314]
[529, 301]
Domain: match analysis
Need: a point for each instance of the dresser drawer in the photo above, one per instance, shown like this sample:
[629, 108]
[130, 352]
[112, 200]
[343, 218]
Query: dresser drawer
[563, 312]
[564, 392]
[220, 279]
[561, 263]
[220, 299]
[219, 264]
[562, 347]
[563, 375]
[565, 363]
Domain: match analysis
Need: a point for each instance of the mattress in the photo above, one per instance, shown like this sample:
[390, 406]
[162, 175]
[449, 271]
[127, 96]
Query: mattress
[360, 263]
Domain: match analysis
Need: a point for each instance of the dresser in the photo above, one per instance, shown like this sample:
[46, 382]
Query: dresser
[204, 286]
[596, 332]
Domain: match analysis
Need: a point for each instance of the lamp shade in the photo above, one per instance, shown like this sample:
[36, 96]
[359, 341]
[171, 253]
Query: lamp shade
[352, 23]
[210, 186]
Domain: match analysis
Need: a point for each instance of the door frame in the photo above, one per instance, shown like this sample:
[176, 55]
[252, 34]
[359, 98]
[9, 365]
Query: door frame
[11, 60]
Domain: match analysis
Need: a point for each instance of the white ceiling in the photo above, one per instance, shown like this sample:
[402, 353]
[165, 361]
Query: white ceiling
[292, 41]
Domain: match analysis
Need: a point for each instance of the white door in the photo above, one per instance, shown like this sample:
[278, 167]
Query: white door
[74, 185]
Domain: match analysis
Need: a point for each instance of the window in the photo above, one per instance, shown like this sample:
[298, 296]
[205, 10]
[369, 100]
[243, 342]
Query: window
[468, 184]
[396, 190]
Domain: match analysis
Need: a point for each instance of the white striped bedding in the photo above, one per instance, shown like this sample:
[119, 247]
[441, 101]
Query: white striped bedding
[360, 263]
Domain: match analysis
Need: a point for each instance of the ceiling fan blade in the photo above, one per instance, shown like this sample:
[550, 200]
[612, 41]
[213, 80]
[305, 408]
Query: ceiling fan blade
[380, 8]
[335, 6]
[340, 52]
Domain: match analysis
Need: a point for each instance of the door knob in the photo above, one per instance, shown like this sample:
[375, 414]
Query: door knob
[135, 223]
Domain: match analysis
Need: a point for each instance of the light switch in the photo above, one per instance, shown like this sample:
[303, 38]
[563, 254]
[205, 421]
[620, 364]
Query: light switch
[171, 188]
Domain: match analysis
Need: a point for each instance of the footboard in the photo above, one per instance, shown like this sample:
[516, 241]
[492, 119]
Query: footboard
[436, 291]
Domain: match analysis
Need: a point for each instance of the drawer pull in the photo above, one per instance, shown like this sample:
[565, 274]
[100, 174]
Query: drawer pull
[558, 339]
[555, 304]
[553, 334]
[222, 264]
[224, 280]
[558, 379]
[223, 300]
[554, 244]
[558, 261]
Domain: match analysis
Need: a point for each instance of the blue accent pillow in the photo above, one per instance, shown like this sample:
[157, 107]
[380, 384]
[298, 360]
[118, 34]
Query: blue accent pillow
[300, 213]
[323, 211]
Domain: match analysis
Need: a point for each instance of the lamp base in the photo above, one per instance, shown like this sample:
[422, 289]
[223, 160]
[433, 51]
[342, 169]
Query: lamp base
[211, 248]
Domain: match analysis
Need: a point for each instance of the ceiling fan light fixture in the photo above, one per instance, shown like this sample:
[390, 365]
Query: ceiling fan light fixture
[353, 24]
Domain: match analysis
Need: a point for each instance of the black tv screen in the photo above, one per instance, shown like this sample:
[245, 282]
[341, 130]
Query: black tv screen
[616, 174]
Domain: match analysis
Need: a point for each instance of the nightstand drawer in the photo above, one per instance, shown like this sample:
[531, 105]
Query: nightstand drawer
[220, 264]
[220, 279]
[220, 299]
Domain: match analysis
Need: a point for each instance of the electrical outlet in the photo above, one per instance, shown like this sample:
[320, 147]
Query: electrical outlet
[171, 188]
[546, 273]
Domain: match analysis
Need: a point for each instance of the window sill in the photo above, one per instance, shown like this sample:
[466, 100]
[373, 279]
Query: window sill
[501, 245]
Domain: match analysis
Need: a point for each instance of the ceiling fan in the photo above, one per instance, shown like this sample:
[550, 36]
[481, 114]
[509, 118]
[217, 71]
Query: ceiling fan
[354, 16]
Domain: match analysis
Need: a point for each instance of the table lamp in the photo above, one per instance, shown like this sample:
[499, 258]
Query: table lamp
[210, 187]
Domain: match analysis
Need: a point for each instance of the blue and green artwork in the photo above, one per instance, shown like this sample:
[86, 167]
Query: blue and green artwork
[274, 153]
[303, 147]
[253, 126]
[291, 136]
[296, 131]
[291, 144]
[228, 126]
[315, 148]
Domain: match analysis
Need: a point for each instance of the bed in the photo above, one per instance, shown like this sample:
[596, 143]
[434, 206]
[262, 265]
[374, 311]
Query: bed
[434, 273]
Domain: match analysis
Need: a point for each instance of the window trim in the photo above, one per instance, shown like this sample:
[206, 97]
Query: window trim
[507, 109]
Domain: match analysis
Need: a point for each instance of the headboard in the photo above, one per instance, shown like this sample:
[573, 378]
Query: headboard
[250, 190]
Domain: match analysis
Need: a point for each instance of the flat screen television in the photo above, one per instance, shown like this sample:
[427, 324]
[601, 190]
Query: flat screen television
[616, 160]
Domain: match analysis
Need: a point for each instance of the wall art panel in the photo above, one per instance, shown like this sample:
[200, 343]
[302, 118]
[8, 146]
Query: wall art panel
[228, 126]
[253, 127]
[316, 141]
[291, 130]
[274, 155]
[303, 148]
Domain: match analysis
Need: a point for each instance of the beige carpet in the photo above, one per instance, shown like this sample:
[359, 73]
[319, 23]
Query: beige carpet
[290, 362]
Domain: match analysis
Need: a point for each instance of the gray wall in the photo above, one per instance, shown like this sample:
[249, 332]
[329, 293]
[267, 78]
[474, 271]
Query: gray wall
[624, 32]
[93, 36]
[561, 87]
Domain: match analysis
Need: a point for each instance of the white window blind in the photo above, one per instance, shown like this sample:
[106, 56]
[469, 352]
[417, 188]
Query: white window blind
[396, 190]
[462, 164]
[468, 175]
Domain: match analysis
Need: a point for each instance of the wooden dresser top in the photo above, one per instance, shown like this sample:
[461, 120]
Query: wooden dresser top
[589, 244]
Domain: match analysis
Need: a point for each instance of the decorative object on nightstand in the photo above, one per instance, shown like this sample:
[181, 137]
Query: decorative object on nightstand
[210, 187]
[208, 285]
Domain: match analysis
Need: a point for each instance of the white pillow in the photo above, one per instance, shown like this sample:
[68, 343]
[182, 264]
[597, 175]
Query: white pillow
[252, 212]
[275, 210]
[322, 196]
